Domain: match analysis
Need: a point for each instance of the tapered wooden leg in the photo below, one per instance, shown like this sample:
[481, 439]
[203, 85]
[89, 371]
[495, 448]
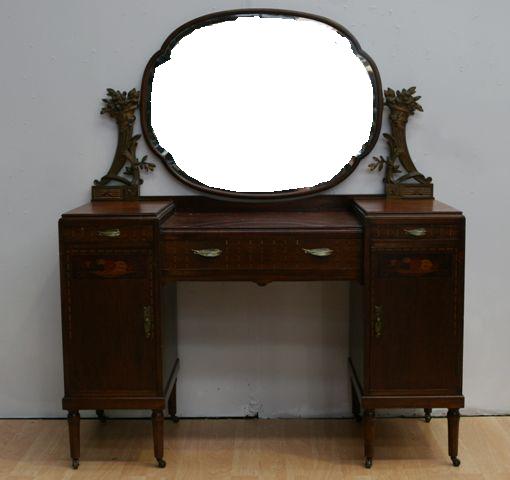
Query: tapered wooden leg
[453, 435]
[172, 404]
[73, 422]
[428, 414]
[369, 436]
[101, 416]
[356, 410]
[157, 433]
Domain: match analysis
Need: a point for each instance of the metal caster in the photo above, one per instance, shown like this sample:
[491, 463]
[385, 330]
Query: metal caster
[358, 417]
[75, 463]
[428, 415]
[174, 418]
[455, 461]
[161, 463]
[368, 462]
[101, 416]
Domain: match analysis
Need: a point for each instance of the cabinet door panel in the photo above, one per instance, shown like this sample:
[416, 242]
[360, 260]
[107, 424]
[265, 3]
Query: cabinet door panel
[109, 332]
[414, 337]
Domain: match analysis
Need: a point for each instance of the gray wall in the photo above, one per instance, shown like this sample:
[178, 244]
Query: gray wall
[278, 350]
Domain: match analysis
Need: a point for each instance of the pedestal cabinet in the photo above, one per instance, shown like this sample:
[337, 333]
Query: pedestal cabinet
[119, 331]
[407, 315]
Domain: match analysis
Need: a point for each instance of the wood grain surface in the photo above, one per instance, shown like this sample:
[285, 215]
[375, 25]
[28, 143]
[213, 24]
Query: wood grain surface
[407, 449]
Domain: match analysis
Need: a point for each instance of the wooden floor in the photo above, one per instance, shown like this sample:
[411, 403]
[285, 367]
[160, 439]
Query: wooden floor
[256, 449]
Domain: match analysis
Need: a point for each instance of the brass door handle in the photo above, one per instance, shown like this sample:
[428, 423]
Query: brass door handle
[318, 252]
[148, 322]
[416, 232]
[378, 322]
[110, 233]
[208, 252]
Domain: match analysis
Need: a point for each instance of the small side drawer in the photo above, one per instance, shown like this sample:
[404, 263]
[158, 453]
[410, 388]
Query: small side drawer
[110, 233]
[413, 264]
[110, 265]
[416, 231]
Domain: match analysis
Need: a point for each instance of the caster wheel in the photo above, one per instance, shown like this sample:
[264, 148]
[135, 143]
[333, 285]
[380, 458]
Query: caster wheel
[368, 462]
[455, 461]
[358, 418]
[174, 418]
[161, 463]
[75, 463]
[428, 415]
[101, 416]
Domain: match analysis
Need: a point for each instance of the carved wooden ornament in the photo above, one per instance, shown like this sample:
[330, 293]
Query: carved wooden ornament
[121, 106]
[412, 184]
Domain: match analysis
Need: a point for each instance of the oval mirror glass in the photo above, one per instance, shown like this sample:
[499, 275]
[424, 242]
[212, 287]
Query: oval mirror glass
[261, 103]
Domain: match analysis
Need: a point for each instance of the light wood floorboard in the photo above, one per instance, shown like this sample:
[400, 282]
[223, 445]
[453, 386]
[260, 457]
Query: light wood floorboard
[406, 449]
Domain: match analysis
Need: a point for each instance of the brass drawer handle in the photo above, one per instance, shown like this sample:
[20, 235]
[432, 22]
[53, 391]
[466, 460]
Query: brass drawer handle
[148, 322]
[318, 252]
[378, 322]
[416, 232]
[110, 233]
[208, 252]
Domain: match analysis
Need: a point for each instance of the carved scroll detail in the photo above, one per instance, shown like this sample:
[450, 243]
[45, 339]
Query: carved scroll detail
[121, 106]
[412, 183]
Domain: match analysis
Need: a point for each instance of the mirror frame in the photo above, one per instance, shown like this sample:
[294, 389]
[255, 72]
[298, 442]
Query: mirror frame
[163, 54]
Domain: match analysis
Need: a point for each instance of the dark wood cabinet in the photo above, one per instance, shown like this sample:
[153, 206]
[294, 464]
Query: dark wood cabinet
[120, 262]
[407, 314]
[119, 334]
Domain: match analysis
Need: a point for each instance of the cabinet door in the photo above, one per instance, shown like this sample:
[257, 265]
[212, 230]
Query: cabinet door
[109, 337]
[415, 343]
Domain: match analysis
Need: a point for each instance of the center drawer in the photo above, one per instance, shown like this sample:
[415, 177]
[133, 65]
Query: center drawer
[291, 255]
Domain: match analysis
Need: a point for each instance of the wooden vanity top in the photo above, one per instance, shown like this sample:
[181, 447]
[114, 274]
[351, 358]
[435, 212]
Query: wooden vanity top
[381, 206]
[153, 208]
[343, 221]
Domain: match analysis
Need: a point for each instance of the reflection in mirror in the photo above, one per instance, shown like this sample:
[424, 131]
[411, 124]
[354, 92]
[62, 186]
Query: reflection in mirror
[262, 104]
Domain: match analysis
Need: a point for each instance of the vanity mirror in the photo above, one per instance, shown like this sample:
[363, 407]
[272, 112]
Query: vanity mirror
[262, 104]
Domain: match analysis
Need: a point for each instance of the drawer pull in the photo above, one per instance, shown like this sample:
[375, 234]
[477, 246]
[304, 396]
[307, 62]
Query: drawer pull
[208, 252]
[416, 232]
[318, 252]
[378, 323]
[148, 323]
[110, 233]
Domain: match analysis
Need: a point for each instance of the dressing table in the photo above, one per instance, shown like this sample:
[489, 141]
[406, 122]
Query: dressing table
[121, 254]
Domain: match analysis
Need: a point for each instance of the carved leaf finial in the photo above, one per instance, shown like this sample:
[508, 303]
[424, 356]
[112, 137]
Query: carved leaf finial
[118, 103]
[404, 99]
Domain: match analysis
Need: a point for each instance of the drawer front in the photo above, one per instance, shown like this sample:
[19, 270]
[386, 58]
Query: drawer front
[413, 264]
[108, 233]
[109, 264]
[288, 254]
[416, 231]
